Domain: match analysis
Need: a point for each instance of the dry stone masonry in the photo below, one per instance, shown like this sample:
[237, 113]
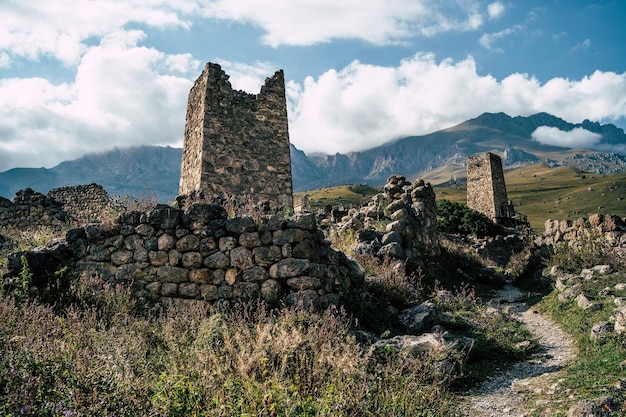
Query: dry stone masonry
[237, 144]
[198, 255]
[83, 202]
[486, 191]
[407, 211]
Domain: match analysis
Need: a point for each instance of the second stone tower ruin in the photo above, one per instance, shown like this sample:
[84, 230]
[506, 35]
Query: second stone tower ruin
[237, 144]
[486, 191]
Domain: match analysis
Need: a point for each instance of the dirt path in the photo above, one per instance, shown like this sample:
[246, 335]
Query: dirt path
[504, 394]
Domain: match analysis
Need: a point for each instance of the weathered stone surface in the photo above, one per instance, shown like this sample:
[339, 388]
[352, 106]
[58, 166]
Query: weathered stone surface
[288, 268]
[306, 300]
[304, 221]
[413, 345]
[187, 243]
[304, 283]
[217, 261]
[255, 274]
[600, 330]
[166, 242]
[200, 215]
[227, 243]
[600, 407]
[174, 257]
[169, 289]
[232, 276]
[188, 290]
[158, 258]
[209, 292]
[154, 288]
[240, 225]
[192, 259]
[392, 250]
[267, 255]
[121, 257]
[128, 272]
[271, 291]
[417, 319]
[282, 237]
[241, 257]
[391, 237]
[200, 276]
[250, 240]
[172, 274]
[247, 136]
[486, 190]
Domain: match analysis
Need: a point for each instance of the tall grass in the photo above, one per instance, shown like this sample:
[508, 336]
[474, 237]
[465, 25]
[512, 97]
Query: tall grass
[104, 354]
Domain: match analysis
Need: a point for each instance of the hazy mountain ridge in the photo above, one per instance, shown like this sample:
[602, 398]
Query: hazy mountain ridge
[156, 170]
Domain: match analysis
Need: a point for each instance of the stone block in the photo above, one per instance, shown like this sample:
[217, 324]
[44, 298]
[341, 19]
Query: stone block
[304, 283]
[158, 258]
[188, 290]
[188, 243]
[289, 268]
[241, 258]
[217, 261]
[192, 260]
[172, 274]
[200, 276]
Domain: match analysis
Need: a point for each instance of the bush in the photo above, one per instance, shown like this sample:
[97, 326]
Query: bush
[457, 218]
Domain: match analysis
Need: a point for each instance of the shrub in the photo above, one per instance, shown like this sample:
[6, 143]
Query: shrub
[457, 218]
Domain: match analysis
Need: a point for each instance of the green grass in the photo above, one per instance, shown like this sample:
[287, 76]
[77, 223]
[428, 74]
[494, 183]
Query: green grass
[544, 193]
[599, 364]
[341, 195]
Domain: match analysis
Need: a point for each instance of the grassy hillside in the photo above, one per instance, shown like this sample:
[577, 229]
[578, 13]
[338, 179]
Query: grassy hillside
[545, 193]
[538, 191]
[341, 195]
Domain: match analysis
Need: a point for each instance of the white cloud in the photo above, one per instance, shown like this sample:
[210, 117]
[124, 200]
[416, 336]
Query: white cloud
[289, 22]
[362, 106]
[60, 28]
[5, 60]
[575, 138]
[586, 44]
[495, 10]
[122, 95]
[247, 77]
[489, 39]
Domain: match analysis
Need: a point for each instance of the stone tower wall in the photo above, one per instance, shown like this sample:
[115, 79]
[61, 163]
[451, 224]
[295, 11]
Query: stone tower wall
[237, 144]
[486, 191]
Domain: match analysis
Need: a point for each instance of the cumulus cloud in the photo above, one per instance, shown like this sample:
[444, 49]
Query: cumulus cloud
[61, 28]
[575, 138]
[361, 105]
[488, 40]
[247, 77]
[495, 10]
[288, 22]
[123, 95]
[586, 44]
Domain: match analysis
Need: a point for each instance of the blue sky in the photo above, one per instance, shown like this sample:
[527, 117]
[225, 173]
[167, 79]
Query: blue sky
[80, 76]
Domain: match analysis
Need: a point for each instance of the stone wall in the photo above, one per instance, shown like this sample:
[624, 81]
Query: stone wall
[84, 202]
[486, 191]
[30, 209]
[609, 227]
[407, 212]
[197, 254]
[237, 143]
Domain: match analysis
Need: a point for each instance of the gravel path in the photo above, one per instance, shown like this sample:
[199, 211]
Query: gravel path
[503, 395]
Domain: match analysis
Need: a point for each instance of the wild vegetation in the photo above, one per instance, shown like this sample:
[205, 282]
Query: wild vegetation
[599, 369]
[97, 350]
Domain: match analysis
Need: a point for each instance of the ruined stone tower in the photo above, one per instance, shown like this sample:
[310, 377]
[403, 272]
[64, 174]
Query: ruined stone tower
[237, 144]
[486, 191]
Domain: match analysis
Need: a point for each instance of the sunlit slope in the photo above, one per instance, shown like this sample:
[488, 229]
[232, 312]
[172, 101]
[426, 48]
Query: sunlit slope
[545, 193]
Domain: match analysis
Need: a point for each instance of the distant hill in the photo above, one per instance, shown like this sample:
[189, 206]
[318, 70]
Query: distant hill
[137, 171]
[437, 157]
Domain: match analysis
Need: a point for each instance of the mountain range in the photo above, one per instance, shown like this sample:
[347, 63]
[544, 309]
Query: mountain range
[438, 157]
